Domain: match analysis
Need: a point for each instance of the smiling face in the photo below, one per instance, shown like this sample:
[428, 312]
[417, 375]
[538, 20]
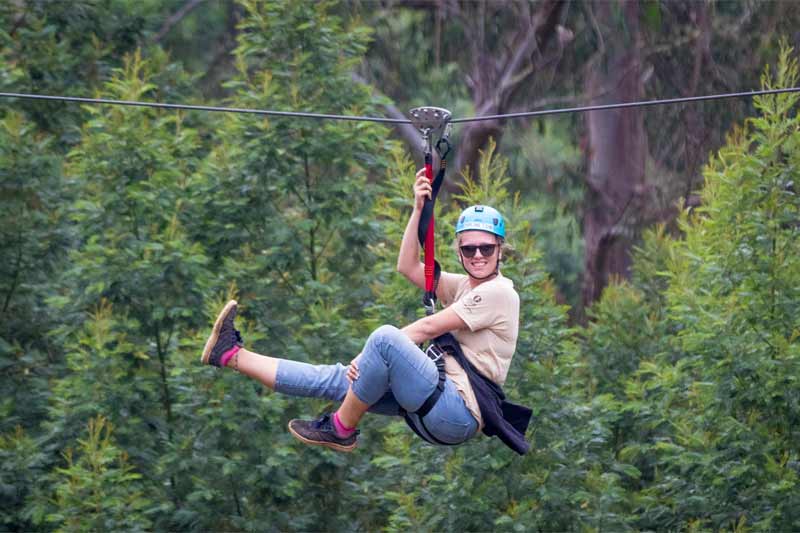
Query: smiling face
[470, 243]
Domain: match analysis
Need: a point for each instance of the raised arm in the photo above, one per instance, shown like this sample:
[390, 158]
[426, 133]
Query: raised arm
[408, 263]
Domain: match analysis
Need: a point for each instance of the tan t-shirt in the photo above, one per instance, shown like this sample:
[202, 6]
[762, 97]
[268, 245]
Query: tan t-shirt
[491, 312]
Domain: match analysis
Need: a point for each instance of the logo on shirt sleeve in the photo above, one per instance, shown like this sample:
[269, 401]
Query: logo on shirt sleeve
[472, 301]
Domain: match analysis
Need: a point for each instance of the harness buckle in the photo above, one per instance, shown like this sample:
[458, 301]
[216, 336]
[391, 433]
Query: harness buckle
[434, 353]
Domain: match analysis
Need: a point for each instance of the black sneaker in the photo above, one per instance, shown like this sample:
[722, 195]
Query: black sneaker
[320, 432]
[224, 337]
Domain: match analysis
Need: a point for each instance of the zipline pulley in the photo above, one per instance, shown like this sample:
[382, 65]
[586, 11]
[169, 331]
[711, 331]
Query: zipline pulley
[431, 122]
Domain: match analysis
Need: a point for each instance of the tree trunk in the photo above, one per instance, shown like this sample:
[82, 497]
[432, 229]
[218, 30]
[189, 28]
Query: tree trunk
[696, 143]
[616, 150]
[496, 77]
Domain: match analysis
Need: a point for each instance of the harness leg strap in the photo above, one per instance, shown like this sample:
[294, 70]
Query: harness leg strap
[437, 356]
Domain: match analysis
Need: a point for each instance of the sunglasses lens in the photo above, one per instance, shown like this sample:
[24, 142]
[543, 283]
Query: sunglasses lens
[487, 249]
[469, 250]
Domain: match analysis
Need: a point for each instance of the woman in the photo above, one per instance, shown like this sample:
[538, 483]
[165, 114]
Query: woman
[392, 375]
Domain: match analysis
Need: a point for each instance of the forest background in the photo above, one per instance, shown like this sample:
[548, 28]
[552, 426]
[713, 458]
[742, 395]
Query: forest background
[656, 256]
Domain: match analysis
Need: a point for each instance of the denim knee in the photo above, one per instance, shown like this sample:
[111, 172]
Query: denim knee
[382, 336]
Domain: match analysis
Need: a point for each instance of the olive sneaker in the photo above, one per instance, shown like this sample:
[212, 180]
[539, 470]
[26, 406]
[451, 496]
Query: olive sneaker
[225, 340]
[321, 432]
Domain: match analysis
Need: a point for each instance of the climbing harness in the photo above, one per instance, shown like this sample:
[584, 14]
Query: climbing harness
[502, 419]
[436, 355]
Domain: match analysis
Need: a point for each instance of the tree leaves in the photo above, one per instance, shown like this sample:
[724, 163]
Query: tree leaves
[707, 407]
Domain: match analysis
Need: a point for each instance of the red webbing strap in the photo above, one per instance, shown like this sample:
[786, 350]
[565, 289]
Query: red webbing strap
[425, 230]
[430, 244]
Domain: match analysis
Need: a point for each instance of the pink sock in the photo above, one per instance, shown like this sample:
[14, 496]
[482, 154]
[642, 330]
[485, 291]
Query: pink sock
[227, 356]
[341, 430]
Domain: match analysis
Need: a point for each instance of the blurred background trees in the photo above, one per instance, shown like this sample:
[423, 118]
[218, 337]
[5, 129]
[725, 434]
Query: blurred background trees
[655, 255]
[496, 57]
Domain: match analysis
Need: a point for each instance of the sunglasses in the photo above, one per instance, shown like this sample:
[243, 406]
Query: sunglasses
[468, 250]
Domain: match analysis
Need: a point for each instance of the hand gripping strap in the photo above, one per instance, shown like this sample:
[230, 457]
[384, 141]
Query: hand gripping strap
[427, 209]
[432, 267]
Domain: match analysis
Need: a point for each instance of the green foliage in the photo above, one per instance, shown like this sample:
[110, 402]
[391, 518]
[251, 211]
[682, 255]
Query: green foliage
[676, 408]
[169, 226]
[286, 200]
[545, 167]
[404, 60]
[735, 292]
[134, 171]
[629, 324]
[33, 242]
[702, 346]
[65, 48]
[22, 464]
[108, 374]
[97, 489]
[135, 271]
[34, 238]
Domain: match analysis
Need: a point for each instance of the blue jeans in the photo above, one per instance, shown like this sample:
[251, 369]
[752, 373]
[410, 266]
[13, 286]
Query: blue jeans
[393, 373]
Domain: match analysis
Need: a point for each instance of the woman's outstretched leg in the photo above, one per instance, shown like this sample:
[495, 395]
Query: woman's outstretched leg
[393, 372]
[224, 349]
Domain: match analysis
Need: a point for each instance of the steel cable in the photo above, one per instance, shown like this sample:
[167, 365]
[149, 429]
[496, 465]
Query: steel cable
[325, 116]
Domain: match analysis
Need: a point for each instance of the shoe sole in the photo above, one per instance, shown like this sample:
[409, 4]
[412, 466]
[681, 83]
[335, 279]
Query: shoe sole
[331, 445]
[212, 339]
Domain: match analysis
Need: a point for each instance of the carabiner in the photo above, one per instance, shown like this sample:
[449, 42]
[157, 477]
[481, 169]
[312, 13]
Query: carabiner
[429, 303]
[443, 154]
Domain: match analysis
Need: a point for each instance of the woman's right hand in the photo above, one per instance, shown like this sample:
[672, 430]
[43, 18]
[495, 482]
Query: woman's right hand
[352, 370]
[422, 190]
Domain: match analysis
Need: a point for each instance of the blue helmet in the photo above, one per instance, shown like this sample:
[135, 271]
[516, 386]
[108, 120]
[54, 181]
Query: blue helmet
[482, 218]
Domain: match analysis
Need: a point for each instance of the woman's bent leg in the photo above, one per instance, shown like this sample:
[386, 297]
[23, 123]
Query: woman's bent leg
[393, 374]
[390, 366]
[389, 362]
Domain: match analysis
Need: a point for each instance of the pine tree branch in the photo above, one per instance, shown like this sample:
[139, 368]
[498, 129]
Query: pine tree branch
[494, 81]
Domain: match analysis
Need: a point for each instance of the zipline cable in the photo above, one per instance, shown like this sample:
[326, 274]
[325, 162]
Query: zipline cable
[323, 116]
[643, 103]
[205, 108]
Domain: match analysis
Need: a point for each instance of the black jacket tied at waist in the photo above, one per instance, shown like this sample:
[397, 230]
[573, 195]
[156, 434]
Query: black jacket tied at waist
[508, 421]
